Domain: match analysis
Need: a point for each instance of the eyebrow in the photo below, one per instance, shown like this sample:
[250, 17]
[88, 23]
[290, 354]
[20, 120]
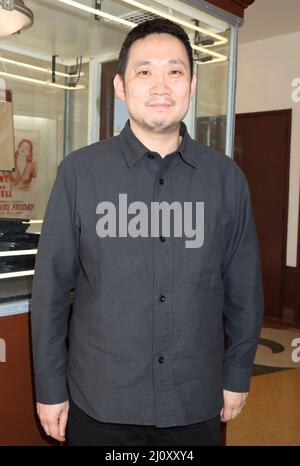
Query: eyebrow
[173, 61]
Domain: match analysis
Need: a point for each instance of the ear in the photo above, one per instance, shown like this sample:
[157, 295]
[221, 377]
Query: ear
[193, 85]
[119, 87]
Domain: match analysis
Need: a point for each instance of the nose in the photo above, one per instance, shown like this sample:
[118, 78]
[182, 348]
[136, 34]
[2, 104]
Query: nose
[160, 87]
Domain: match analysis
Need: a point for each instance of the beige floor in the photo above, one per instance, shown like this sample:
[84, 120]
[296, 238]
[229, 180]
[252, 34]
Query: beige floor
[266, 357]
[272, 413]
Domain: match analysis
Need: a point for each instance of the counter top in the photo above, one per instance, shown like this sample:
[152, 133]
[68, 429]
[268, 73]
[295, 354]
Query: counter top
[12, 308]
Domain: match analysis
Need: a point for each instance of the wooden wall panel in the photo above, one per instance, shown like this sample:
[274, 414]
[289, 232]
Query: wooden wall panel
[236, 7]
[19, 424]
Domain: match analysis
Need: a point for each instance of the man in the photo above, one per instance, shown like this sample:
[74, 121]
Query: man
[145, 362]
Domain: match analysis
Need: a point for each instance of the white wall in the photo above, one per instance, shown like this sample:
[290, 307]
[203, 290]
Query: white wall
[266, 69]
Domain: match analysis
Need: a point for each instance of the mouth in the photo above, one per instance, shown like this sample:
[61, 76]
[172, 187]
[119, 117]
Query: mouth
[158, 105]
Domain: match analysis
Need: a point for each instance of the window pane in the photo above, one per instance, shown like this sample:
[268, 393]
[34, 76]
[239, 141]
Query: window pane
[211, 103]
[49, 123]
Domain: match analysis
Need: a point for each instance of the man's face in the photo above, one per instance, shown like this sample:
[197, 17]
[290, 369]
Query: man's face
[158, 85]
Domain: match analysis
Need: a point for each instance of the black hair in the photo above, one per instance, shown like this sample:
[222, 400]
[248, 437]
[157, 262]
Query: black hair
[153, 26]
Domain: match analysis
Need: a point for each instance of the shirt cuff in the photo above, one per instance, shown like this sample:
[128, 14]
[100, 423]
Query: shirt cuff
[236, 379]
[51, 389]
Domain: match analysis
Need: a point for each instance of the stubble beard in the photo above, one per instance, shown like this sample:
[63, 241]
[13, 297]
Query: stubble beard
[156, 126]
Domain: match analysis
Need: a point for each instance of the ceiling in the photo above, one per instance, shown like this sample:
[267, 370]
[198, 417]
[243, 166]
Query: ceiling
[268, 18]
[68, 32]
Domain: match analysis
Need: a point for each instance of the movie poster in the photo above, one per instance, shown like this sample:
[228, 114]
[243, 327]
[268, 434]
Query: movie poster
[6, 130]
[18, 188]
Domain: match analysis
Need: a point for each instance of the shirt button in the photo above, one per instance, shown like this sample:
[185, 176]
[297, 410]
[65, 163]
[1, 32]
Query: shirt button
[151, 156]
[161, 181]
[162, 239]
[162, 298]
[161, 359]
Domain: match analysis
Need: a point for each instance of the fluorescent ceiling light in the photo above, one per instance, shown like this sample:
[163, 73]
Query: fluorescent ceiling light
[23, 273]
[43, 83]
[14, 16]
[38, 68]
[94, 11]
[218, 40]
[19, 252]
[33, 221]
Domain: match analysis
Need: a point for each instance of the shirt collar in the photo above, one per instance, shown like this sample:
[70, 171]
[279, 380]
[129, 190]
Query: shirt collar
[134, 149]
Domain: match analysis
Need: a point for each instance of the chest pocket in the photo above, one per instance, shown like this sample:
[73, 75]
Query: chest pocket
[202, 266]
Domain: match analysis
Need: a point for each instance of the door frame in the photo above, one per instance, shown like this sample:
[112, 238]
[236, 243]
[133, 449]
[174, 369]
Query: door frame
[288, 114]
[297, 311]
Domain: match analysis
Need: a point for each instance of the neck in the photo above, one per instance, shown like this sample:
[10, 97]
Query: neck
[162, 143]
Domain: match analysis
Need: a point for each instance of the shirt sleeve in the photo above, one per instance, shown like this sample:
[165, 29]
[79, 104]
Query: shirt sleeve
[243, 293]
[55, 274]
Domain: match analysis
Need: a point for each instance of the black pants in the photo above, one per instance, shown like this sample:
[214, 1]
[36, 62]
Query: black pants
[84, 430]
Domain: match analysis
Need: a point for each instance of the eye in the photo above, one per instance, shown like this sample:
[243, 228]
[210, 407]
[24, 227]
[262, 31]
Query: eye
[176, 72]
[143, 73]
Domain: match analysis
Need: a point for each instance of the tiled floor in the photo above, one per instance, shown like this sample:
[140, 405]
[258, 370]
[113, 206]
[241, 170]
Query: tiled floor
[272, 413]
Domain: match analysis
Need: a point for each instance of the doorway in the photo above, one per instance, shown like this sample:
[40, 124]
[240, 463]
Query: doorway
[262, 150]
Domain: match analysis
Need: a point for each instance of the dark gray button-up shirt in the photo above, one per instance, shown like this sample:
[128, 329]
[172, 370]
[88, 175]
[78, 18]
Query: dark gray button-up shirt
[146, 336]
